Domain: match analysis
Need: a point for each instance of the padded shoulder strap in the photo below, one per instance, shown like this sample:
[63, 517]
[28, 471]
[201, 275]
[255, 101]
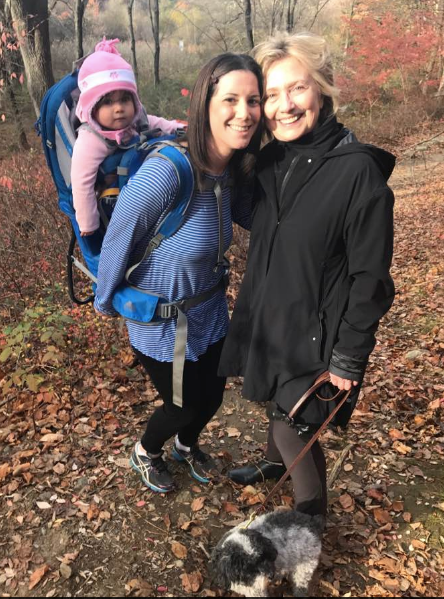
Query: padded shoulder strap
[174, 218]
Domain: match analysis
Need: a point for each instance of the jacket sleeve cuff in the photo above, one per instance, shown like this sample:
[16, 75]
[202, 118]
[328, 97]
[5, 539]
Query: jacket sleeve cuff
[346, 367]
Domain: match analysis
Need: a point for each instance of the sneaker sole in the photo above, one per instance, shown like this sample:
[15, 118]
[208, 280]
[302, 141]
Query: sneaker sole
[147, 482]
[180, 458]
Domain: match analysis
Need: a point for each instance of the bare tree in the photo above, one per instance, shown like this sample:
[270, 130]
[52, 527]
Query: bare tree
[79, 12]
[320, 5]
[248, 23]
[30, 18]
[133, 38]
[153, 7]
[291, 7]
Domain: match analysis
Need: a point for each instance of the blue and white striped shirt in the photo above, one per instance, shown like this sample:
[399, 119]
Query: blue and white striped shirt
[181, 267]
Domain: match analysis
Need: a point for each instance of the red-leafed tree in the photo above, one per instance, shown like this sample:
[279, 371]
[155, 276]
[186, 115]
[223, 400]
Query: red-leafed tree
[388, 56]
[11, 75]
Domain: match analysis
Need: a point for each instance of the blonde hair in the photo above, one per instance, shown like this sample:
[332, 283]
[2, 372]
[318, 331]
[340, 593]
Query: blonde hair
[311, 51]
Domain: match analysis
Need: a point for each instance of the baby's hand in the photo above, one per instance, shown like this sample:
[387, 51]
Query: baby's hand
[86, 233]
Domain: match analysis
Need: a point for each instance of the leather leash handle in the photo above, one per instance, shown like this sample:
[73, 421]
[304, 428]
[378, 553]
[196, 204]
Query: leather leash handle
[323, 378]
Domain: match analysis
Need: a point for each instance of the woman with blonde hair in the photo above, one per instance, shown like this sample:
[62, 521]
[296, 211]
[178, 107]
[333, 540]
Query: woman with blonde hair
[317, 280]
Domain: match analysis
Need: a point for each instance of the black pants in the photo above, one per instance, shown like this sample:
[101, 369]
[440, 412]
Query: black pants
[202, 396]
[309, 477]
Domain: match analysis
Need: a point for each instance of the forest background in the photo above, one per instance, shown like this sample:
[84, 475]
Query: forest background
[73, 519]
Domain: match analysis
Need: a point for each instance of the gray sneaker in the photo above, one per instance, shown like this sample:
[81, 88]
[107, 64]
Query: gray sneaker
[202, 466]
[154, 472]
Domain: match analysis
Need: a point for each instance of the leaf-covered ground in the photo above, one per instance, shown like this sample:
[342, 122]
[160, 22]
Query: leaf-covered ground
[76, 521]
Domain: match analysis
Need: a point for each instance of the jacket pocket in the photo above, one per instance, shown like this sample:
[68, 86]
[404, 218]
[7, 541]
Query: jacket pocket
[322, 335]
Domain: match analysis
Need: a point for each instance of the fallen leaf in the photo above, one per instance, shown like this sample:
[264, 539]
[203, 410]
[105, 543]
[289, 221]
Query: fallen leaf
[233, 432]
[416, 471]
[375, 494]
[37, 576]
[44, 505]
[179, 550]
[230, 508]
[59, 468]
[391, 584]
[382, 516]
[65, 571]
[401, 448]
[347, 502]
[51, 438]
[93, 512]
[191, 582]
[5, 469]
[327, 586]
[396, 434]
[186, 525]
[198, 503]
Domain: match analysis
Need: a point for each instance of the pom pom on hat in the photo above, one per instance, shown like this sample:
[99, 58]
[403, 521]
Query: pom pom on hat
[108, 46]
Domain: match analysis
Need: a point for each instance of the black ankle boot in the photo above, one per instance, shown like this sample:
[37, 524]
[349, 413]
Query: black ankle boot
[258, 472]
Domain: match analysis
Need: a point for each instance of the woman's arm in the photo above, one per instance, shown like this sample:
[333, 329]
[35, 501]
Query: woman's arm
[242, 204]
[141, 203]
[369, 246]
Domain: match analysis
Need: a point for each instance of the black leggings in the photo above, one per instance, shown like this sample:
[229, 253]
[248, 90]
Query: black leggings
[309, 477]
[202, 396]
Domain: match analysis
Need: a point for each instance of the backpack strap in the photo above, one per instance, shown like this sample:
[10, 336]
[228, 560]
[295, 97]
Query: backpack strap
[173, 220]
[217, 186]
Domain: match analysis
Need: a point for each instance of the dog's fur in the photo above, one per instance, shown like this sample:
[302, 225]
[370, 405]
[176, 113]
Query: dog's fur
[283, 543]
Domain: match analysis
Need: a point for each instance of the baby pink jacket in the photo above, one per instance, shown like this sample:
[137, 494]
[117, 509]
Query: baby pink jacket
[88, 153]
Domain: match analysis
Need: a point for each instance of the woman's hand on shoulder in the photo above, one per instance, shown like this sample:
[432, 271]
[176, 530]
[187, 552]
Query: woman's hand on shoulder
[342, 384]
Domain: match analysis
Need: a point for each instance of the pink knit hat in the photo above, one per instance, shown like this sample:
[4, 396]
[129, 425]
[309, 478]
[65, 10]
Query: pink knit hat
[102, 72]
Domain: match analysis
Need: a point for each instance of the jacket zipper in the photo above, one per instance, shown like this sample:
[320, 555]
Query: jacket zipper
[279, 206]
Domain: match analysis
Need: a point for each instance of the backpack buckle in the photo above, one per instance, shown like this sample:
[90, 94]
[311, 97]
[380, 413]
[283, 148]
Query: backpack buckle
[168, 311]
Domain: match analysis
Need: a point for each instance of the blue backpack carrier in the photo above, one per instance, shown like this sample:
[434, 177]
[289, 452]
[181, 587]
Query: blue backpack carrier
[57, 126]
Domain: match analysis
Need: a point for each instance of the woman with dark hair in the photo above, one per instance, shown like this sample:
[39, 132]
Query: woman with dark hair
[222, 140]
[317, 280]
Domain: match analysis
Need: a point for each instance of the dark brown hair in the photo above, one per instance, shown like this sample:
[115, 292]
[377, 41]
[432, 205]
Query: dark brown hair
[199, 133]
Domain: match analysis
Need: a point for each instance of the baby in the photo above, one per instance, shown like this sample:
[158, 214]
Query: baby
[112, 116]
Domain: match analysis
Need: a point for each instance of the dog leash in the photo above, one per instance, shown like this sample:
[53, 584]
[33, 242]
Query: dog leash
[323, 378]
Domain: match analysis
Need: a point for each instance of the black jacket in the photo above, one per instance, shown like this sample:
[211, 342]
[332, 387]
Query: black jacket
[317, 280]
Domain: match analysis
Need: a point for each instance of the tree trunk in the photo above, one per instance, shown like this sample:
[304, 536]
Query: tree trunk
[155, 27]
[6, 70]
[79, 11]
[31, 18]
[22, 139]
[291, 7]
[348, 32]
[133, 39]
[248, 23]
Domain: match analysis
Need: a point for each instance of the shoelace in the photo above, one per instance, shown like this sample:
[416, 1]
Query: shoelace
[159, 464]
[198, 455]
